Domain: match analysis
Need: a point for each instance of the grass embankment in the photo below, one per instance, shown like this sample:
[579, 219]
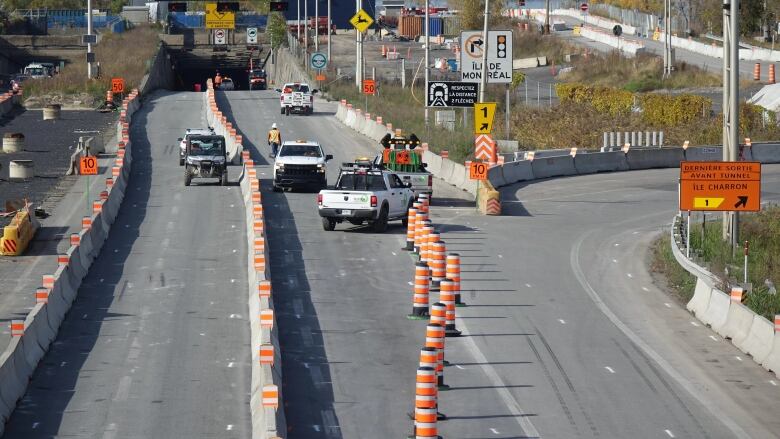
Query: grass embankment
[123, 55]
[761, 229]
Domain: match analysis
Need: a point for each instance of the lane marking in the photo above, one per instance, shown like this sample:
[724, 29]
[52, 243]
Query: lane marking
[563, 322]
[528, 285]
[616, 244]
[495, 431]
[668, 305]
[694, 324]
[630, 275]
[229, 427]
[714, 338]
[614, 260]
[460, 367]
[669, 433]
[123, 390]
[649, 351]
[110, 431]
[645, 289]
[609, 369]
[231, 364]
[738, 357]
[35, 425]
[772, 382]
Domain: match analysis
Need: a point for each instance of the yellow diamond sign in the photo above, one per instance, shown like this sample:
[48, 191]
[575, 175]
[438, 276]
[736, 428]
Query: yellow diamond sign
[219, 20]
[361, 20]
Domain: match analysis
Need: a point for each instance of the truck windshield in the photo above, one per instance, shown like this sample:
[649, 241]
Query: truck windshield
[366, 182]
[300, 150]
[209, 147]
[34, 71]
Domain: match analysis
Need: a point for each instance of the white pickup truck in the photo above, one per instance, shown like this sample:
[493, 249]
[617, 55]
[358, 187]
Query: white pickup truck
[365, 194]
[296, 97]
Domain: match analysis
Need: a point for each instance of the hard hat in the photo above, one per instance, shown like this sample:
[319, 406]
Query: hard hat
[273, 125]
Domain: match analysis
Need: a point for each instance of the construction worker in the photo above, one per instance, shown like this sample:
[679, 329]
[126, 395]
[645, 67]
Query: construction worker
[217, 80]
[274, 139]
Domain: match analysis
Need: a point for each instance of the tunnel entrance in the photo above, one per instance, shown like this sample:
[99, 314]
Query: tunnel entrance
[195, 64]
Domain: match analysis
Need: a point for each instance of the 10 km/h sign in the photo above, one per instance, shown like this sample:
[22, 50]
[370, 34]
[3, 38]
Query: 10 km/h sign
[720, 186]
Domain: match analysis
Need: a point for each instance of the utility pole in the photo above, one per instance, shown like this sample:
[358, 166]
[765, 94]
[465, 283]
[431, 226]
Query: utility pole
[546, 18]
[483, 79]
[358, 52]
[427, 61]
[298, 24]
[329, 27]
[668, 61]
[316, 25]
[306, 32]
[89, 45]
[731, 105]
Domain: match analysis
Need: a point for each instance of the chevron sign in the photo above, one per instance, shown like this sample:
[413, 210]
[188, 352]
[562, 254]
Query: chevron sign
[485, 148]
[493, 207]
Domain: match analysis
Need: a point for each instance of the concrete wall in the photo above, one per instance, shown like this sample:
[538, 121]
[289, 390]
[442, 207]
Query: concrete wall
[160, 73]
[285, 68]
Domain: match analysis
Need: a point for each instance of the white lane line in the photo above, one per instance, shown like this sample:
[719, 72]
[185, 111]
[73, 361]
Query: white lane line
[528, 285]
[110, 431]
[500, 257]
[412, 283]
[494, 431]
[714, 338]
[694, 324]
[330, 424]
[460, 367]
[772, 382]
[669, 433]
[686, 384]
[563, 322]
[611, 370]
[229, 427]
[316, 375]
[617, 245]
[668, 305]
[738, 357]
[231, 364]
[629, 275]
[235, 316]
[645, 289]
[123, 390]
[35, 425]
[615, 261]
[298, 307]
[394, 254]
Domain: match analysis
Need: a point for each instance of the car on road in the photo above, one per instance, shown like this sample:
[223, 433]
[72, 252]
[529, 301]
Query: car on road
[205, 157]
[191, 132]
[227, 84]
[365, 193]
[258, 80]
[300, 164]
[296, 97]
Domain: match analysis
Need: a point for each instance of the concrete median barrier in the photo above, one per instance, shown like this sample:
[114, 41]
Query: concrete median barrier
[701, 298]
[611, 161]
[738, 322]
[518, 171]
[759, 340]
[765, 152]
[704, 154]
[496, 176]
[717, 310]
[446, 169]
[772, 361]
[651, 158]
[459, 175]
[434, 162]
[553, 167]
[488, 199]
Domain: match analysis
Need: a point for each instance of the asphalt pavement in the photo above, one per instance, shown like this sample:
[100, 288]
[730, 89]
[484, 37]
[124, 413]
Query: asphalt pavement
[157, 341]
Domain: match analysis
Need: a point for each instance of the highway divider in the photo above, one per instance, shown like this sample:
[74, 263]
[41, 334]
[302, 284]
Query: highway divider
[222, 126]
[725, 314]
[266, 403]
[32, 336]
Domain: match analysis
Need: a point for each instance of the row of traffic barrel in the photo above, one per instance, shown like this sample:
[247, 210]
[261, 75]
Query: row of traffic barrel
[436, 271]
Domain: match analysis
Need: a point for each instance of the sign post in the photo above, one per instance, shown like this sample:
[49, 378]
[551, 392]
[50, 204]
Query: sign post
[720, 186]
[88, 165]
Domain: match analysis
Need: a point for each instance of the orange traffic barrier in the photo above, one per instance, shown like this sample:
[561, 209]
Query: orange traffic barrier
[777, 322]
[41, 295]
[48, 281]
[63, 259]
[267, 318]
[737, 294]
[267, 354]
[411, 222]
[245, 156]
[103, 195]
[425, 388]
[771, 73]
[257, 197]
[257, 225]
[453, 274]
[384, 51]
[271, 396]
[428, 357]
[75, 239]
[86, 222]
[264, 288]
[434, 338]
[427, 243]
[115, 171]
[254, 185]
[447, 298]
[17, 328]
[109, 183]
[259, 244]
[445, 154]
[419, 228]
[420, 295]
[257, 210]
[109, 96]
[439, 313]
[97, 206]
[757, 72]
[425, 201]
[259, 262]
[437, 263]
[425, 424]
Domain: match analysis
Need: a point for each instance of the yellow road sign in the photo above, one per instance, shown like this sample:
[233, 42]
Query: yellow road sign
[707, 202]
[361, 20]
[219, 20]
[484, 113]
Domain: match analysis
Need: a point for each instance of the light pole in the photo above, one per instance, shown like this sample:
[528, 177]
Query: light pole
[89, 44]
[483, 79]
[427, 61]
[358, 51]
[298, 21]
[329, 26]
[316, 25]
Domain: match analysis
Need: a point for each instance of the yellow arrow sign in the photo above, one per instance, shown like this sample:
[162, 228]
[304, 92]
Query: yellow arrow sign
[707, 203]
[484, 113]
[219, 20]
[361, 20]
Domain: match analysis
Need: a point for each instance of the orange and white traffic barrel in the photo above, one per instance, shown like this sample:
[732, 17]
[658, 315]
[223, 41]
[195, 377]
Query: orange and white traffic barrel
[411, 222]
[86, 222]
[453, 274]
[428, 357]
[425, 423]
[434, 338]
[420, 307]
[17, 328]
[421, 219]
[438, 263]
[426, 391]
[439, 314]
[425, 201]
[75, 239]
[63, 259]
[42, 295]
[427, 240]
[447, 298]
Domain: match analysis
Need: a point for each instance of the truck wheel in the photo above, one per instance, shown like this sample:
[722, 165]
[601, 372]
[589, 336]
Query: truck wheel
[282, 112]
[287, 111]
[187, 177]
[224, 179]
[181, 161]
[328, 224]
[380, 224]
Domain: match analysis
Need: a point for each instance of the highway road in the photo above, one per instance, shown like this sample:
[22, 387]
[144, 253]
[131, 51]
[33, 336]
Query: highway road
[567, 335]
[157, 342]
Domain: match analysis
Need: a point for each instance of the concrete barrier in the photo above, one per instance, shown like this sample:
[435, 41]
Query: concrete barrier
[765, 152]
[496, 176]
[701, 298]
[600, 162]
[704, 154]
[447, 166]
[469, 185]
[433, 161]
[772, 361]
[459, 175]
[518, 171]
[760, 338]
[738, 323]
[717, 310]
[553, 167]
[650, 158]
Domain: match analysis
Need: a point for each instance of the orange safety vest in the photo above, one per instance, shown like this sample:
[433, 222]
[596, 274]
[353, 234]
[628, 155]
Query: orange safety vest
[274, 136]
[218, 79]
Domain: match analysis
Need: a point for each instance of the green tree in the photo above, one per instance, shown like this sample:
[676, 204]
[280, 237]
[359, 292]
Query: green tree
[276, 29]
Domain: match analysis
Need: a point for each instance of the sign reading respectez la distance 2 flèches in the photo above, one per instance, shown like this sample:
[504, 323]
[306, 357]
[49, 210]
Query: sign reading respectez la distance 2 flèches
[499, 56]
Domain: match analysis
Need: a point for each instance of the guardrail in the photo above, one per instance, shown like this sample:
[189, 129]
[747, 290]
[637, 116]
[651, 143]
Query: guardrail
[32, 336]
[266, 403]
[725, 314]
